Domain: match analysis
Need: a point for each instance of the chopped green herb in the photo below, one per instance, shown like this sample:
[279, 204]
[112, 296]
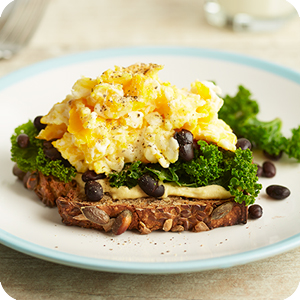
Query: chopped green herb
[33, 157]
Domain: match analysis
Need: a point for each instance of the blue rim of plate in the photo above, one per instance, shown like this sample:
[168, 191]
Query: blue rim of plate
[52, 255]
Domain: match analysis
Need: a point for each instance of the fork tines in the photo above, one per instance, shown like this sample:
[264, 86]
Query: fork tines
[19, 24]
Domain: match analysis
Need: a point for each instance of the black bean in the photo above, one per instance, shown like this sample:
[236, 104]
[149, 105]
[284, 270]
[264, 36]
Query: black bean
[260, 171]
[37, 123]
[184, 137]
[159, 191]
[278, 192]
[47, 144]
[93, 191]
[91, 175]
[243, 144]
[272, 156]
[18, 172]
[186, 152]
[186, 144]
[195, 145]
[255, 211]
[65, 162]
[269, 169]
[150, 186]
[23, 140]
[52, 153]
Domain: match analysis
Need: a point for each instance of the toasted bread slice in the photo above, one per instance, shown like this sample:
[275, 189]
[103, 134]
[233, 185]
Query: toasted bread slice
[144, 214]
[149, 214]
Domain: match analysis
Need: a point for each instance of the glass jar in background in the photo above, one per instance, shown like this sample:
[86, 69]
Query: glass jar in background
[249, 15]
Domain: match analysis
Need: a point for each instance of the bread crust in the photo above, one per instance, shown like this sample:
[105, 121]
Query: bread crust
[48, 188]
[146, 214]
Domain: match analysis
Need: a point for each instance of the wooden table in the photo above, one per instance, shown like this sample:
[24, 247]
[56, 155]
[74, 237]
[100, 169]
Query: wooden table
[78, 25]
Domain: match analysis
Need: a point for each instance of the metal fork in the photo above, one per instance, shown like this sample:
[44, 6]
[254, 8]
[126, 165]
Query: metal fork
[18, 24]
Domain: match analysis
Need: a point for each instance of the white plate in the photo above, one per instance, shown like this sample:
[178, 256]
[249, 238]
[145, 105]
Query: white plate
[27, 226]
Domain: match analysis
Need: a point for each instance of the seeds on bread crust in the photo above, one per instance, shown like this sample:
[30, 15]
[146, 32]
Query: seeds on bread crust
[151, 215]
[108, 226]
[95, 215]
[143, 228]
[221, 211]
[122, 222]
[177, 228]
[168, 225]
[200, 226]
[30, 180]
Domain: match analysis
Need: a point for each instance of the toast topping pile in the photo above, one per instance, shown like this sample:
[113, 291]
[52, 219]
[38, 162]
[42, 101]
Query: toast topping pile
[128, 115]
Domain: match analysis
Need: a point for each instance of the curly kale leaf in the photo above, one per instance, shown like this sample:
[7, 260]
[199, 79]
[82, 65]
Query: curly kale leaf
[25, 157]
[238, 109]
[203, 170]
[243, 183]
[240, 113]
[133, 171]
[211, 165]
[128, 176]
[292, 145]
[33, 158]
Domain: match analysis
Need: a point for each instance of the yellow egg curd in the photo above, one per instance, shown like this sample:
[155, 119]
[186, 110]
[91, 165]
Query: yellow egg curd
[129, 114]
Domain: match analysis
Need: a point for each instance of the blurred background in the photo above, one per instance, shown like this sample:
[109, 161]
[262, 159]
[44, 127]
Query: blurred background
[68, 27]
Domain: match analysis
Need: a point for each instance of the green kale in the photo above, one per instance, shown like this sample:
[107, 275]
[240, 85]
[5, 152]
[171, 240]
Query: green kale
[210, 165]
[128, 176]
[33, 157]
[240, 113]
[238, 108]
[204, 169]
[292, 145]
[25, 157]
[243, 182]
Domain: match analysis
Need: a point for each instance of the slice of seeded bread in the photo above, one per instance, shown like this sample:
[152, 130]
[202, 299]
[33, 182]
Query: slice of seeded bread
[149, 214]
[143, 214]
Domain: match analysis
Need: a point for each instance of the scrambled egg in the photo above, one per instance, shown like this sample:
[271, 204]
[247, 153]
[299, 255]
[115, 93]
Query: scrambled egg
[129, 114]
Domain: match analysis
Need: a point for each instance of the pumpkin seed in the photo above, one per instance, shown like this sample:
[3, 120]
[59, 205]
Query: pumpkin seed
[221, 211]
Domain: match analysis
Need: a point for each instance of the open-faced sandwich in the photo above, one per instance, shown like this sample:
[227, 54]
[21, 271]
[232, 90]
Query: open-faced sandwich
[128, 151]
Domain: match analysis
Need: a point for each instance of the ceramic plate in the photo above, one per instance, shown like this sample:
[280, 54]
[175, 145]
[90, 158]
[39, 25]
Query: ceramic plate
[30, 227]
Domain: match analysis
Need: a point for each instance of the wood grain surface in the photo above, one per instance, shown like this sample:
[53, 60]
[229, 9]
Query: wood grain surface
[73, 26]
